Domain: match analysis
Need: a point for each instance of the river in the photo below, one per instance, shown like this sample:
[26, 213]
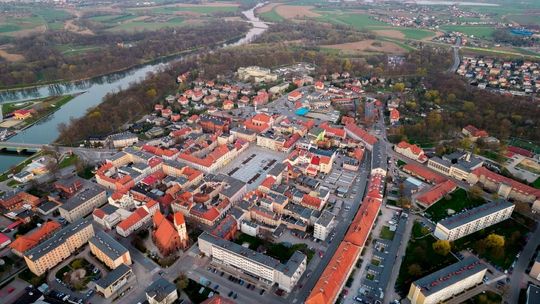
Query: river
[93, 91]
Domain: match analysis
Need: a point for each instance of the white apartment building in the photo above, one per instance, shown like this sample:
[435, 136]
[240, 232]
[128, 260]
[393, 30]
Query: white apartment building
[83, 203]
[255, 264]
[447, 282]
[324, 225]
[473, 220]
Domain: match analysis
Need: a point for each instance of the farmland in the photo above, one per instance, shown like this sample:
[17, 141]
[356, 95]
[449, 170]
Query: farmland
[476, 31]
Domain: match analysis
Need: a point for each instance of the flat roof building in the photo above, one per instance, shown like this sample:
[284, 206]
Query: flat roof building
[447, 282]
[83, 203]
[253, 263]
[468, 222]
[115, 280]
[161, 292]
[109, 251]
[59, 247]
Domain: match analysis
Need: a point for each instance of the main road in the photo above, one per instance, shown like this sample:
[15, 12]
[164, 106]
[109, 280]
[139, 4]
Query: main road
[457, 60]
[300, 295]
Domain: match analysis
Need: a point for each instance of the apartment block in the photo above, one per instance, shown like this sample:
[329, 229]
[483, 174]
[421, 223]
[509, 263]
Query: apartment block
[252, 263]
[324, 225]
[115, 281]
[59, 247]
[109, 251]
[83, 203]
[447, 282]
[473, 220]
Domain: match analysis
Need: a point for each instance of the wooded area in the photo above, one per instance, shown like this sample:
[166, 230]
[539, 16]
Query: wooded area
[45, 62]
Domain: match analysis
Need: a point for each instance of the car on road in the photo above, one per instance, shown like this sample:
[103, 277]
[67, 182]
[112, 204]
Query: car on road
[216, 287]
[262, 292]
[230, 294]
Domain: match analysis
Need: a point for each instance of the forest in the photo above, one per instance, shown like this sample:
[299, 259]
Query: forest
[45, 62]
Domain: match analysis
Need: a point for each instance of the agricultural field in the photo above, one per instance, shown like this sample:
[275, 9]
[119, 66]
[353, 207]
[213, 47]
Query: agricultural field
[18, 21]
[368, 46]
[485, 32]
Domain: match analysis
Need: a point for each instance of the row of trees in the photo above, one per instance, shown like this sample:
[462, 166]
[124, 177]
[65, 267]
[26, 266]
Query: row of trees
[44, 62]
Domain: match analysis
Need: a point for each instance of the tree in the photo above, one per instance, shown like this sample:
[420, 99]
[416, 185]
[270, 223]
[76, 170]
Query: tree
[414, 270]
[475, 192]
[442, 247]
[182, 282]
[399, 87]
[494, 241]
[77, 264]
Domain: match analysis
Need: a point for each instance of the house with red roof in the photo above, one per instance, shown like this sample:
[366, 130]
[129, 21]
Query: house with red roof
[394, 116]
[411, 151]
[435, 193]
[505, 187]
[17, 200]
[360, 134]
[30, 240]
[294, 96]
[474, 133]
[22, 114]
[423, 173]
[140, 217]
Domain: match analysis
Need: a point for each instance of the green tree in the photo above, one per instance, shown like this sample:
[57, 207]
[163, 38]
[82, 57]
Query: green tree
[414, 270]
[494, 241]
[399, 87]
[442, 247]
[151, 93]
[77, 264]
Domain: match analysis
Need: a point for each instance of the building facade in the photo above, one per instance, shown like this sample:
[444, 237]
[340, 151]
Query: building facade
[59, 247]
[268, 270]
[109, 251]
[83, 203]
[473, 220]
[447, 282]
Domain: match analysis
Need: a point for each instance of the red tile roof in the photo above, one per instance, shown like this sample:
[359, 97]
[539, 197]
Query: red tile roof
[30, 240]
[437, 192]
[424, 173]
[134, 218]
[517, 186]
[363, 134]
[311, 201]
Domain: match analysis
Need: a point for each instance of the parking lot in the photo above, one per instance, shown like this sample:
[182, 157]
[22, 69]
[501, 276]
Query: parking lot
[252, 165]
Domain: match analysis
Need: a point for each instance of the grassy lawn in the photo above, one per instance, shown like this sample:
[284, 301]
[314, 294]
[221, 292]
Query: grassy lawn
[70, 49]
[192, 291]
[271, 16]
[386, 233]
[112, 19]
[68, 161]
[525, 19]
[401, 163]
[358, 21]
[420, 254]
[13, 106]
[458, 201]
[31, 278]
[375, 262]
[416, 34]
[476, 31]
[514, 236]
[195, 9]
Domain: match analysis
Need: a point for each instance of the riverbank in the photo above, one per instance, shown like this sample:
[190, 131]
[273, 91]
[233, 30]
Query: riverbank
[37, 109]
[165, 58]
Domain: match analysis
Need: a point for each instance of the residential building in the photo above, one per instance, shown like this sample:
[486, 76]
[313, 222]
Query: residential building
[324, 225]
[83, 203]
[474, 133]
[109, 216]
[394, 116]
[161, 292]
[115, 281]
[30, 240]
[447, 282]
[124, 139]
[22, 114]
[141, 216]
[411, 151]
[18, 199]
[60, 246]
[357, 133]
[108, 250]
[468, 222]
[267, 269]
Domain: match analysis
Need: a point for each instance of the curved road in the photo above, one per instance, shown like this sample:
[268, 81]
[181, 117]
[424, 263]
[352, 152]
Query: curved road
[457, 60]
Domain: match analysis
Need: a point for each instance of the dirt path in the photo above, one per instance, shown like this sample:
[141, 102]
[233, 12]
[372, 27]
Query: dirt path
[390, 33]
[267, 8]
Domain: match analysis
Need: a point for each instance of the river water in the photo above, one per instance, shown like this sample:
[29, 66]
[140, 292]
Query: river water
[93, 91]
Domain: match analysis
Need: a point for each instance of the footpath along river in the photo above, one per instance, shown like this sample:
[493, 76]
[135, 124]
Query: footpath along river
[46, 131]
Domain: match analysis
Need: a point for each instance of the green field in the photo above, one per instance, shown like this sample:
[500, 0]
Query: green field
[271, 16]
[16, 24]
[52, 18]
[358, 21]
[477, 31]
[112, 19]
[194, 9]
